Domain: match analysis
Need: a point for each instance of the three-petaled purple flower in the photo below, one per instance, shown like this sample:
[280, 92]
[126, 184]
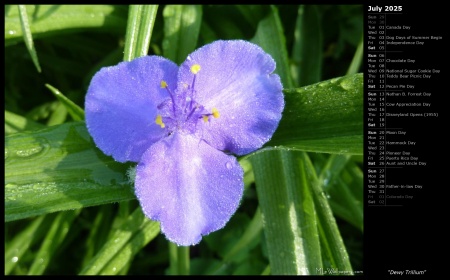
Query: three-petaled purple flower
[180, 125]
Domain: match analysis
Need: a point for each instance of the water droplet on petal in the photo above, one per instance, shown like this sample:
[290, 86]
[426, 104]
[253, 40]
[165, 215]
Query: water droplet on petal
[229, 165]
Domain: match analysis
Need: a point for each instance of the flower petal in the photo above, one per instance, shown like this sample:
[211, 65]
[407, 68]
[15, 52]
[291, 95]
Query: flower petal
[235, 78]
[190, 187]
[121, 105]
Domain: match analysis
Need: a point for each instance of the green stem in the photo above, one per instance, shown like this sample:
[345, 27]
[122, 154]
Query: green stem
[183, 260]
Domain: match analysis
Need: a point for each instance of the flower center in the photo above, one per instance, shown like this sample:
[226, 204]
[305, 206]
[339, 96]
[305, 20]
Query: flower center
[181, 111]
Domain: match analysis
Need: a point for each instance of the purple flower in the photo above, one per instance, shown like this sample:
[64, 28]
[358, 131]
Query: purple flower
[180, 125]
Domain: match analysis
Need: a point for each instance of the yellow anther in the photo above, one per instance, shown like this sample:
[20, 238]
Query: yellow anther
[215, 113]
[195, 68]
[159, 121]
[205, 118]
[163, 84]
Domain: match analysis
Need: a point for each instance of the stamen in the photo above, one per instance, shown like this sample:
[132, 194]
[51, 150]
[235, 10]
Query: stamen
[195, 68]
[159, 121]
[164, 85]
[215, 113]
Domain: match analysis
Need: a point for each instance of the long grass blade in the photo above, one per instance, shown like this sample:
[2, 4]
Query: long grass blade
[27, 36]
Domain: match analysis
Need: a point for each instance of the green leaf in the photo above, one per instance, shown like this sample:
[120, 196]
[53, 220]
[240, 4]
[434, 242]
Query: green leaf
[233, 246]
[58, 116]
[122, 245]
[251, 232]
[269, 36]
[297, 210]
[16, 123]
[55, 236]
[141, 19]
[266, 271]
[357, 58]
[251, 13]
[27, 37]
[148, 231]
[334, 253]
[181, 30]
[59, 168]
[16, 248]
[224, 21]
[308, 46]
[74, 110]
[46, 20]
[326, 117]
[288, 211]
[98, 233]
[342, 180]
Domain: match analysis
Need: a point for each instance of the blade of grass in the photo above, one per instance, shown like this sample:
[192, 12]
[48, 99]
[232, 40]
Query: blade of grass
[269, 36]
[266, 271]
[345, 205]
[120, 240]
[141, 19]
[288, 213]
[253, 229]
[124, 257]
[42, 111]
[223, 20]
[146, 29]
[251, 13]
[51, 20]
[324, 117]
[27, 36]
[98, 234]
[357, 58]
[334, 254]
[341, 180]
[331, 170]
[181, 30]
[73, 109]
[308, 46]
[133, 26]
[58, 115]
[55, 236]
[17, 247]
[15, 123]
